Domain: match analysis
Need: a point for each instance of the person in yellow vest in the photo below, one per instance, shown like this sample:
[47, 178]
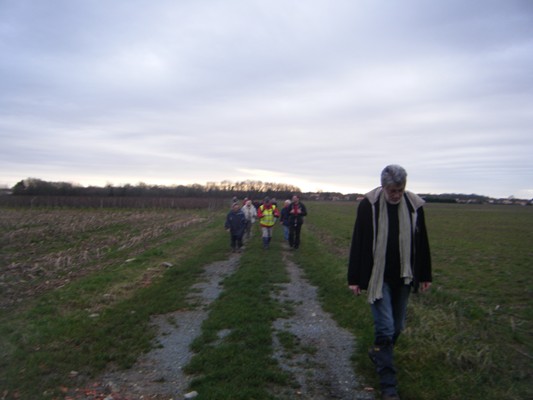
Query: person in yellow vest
[267, 214]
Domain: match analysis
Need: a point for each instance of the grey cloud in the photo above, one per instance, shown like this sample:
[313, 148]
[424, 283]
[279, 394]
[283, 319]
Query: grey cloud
[319, 92]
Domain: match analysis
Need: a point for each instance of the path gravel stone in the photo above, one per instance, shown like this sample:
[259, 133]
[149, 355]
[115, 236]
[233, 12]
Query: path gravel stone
[159, 373]
[320, 363]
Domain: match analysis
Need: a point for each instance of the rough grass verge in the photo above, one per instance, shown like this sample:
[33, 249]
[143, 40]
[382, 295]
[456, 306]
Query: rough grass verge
[460, 341]
[65, 331]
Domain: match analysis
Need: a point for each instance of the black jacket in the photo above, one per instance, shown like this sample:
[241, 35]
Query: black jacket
[235, 222]
[297, 219]
[361, 253]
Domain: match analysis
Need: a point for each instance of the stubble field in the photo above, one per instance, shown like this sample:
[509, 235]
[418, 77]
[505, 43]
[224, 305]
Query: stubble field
[78, 287]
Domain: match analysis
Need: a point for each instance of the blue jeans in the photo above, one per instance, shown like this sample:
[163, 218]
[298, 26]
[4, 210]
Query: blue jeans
[286, 232]
[389, 313]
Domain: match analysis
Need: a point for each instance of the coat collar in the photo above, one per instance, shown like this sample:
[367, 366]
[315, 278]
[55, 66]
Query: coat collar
[414, 199]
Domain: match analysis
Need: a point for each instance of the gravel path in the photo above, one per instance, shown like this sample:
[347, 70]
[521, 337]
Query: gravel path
[320, 363]
[158, 374]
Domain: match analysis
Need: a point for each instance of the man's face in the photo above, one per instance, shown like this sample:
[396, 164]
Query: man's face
[394, 193]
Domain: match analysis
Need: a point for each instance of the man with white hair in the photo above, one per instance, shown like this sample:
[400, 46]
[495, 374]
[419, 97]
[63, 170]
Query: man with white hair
[250, 213]
[389, 257]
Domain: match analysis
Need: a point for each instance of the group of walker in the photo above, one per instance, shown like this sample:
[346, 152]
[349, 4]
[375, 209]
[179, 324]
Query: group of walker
[240, 220]
[389, 257]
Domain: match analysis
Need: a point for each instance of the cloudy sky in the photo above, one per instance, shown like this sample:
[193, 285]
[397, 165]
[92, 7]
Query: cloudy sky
[321, 94]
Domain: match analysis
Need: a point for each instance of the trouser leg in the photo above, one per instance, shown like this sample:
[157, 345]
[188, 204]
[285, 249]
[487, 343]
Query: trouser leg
[389, 315]
[266, 233]
[297, 230]
[400, 298]
[291, 235]
[390, 312]
[286, 232]
[383, 358]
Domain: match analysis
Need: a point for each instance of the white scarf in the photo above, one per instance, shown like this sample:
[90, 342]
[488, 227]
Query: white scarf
[407, 225]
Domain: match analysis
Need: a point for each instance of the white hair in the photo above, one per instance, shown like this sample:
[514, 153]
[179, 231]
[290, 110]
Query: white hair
[393, 175]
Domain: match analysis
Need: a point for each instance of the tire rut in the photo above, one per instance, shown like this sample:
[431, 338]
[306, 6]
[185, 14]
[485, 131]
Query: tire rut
[319, 364]
[320, 361]
[158, 374]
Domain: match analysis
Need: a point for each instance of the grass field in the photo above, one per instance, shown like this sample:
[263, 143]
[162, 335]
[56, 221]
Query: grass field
[78, 287]
[95, 278]
[471, 337]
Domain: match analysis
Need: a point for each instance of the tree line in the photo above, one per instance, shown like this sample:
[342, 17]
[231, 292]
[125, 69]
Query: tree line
[249, 188]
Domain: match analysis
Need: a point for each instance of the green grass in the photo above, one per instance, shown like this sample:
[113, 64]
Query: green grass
[471, 336]
[78, 328]
[241, 366]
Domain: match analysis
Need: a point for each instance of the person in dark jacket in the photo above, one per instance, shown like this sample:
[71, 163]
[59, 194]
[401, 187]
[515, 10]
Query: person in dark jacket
[297, 212]
[389, 257]
[284, 219]
[235, 224]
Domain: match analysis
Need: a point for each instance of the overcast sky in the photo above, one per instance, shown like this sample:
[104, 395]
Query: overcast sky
[318, 94]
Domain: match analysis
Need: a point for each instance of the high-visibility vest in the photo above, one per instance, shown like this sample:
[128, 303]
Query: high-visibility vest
[268, 217]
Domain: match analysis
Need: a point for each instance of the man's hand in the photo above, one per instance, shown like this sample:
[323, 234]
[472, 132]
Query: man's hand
[355, 289]
[424, 286]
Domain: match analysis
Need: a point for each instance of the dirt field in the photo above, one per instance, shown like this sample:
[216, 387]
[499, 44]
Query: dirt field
[44, 250]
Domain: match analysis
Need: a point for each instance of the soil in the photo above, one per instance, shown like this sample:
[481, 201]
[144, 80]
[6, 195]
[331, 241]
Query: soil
[322, 372]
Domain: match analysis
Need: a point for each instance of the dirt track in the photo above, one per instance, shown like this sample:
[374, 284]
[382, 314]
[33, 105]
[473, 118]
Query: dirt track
[324, 373]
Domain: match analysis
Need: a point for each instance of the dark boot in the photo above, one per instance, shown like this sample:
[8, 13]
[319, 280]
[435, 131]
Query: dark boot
[266, 243]
[383, 358]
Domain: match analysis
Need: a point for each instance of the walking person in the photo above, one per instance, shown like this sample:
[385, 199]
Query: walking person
[235, 225]
[389, 258]
[250, 213]
[297, 212]
[284, 219]
[267, 214]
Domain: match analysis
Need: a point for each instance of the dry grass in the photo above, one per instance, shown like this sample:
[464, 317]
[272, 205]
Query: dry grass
[46, 249]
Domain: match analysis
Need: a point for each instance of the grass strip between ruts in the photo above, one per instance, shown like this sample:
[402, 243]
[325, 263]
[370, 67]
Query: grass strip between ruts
[240, 365]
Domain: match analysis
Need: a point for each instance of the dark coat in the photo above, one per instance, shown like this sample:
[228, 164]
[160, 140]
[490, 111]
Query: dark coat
[284, 215]
[294, 218]
[361, 253]
[235, 222]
